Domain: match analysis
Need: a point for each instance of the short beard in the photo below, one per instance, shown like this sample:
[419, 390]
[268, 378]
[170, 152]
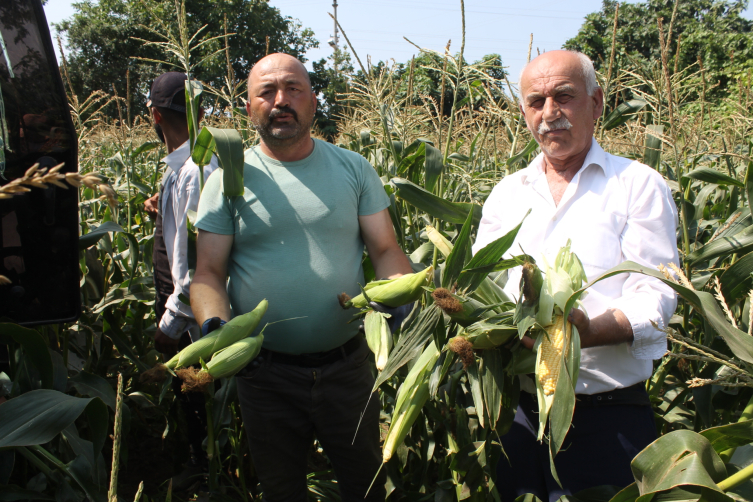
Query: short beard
[263, 126]
[560, 123]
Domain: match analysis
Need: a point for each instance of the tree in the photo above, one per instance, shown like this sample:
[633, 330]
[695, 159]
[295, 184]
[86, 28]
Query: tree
[102, 41]
[330, 81]
[711, 29]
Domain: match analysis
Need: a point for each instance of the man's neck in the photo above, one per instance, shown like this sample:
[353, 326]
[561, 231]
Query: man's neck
[560, 172]
[288, 153]
[173, 141]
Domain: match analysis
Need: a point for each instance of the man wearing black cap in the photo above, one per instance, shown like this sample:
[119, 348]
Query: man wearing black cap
[179, 194]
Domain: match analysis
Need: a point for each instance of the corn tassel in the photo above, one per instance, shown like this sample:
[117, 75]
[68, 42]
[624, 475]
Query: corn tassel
[378, 337]
[394, 293]
[411, 397]
[237, 329]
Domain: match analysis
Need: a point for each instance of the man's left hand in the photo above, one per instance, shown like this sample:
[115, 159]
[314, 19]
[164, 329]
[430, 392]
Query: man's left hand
[397, 314]
[165, 344]
[610, 328]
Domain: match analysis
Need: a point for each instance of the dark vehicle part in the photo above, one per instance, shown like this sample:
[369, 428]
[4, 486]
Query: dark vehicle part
[38, 229]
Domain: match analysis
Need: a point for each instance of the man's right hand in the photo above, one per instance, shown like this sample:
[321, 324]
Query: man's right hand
[163, 343]
[151, 206]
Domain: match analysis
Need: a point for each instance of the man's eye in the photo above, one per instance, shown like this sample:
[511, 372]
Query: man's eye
[536, 104]
[564, 98]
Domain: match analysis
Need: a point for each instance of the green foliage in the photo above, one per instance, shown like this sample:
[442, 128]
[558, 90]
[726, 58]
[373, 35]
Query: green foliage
[102, 35]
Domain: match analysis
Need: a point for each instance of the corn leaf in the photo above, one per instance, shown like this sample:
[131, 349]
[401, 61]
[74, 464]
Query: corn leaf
[94, 235]
[624, 112]
[35, 349]
[451, 212]
[461, 252]
[681, 458]
[710, 175]
[736, 280]
[739, 243]
[38, 416]
[491, 254]
[653, 145]
[478, 396]
[492, 375]
[728, 436]
[228, 145]
[738, 341]
[433, 166]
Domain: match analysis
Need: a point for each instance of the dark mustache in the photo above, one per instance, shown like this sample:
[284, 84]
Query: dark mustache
[283, 110]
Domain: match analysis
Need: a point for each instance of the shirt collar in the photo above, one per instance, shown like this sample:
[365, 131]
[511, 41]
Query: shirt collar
[178, 157]
[595, 156]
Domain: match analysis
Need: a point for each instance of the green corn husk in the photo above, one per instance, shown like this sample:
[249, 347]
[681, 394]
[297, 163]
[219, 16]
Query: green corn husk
[411, 397]
[225, 363]
[464, 311]
[378, 337]
[237, 329]
[393, 293]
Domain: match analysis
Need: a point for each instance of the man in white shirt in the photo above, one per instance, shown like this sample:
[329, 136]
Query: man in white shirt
[179, 194]
[613, 209]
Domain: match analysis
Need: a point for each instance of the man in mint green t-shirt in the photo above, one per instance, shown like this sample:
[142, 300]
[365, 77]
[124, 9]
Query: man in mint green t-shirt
[296, 237]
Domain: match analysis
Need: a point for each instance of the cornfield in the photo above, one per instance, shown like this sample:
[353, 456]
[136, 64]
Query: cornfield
[79, 422]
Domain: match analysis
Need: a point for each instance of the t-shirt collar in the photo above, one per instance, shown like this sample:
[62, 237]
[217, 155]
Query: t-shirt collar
[178, 157]
[596, 156]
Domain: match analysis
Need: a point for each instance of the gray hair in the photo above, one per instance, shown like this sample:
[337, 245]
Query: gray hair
[587, 72]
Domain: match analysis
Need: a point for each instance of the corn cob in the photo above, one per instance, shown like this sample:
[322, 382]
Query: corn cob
[378, 337]
[237, 329]
[393, 293]
[551, 348]
[411, 397]
[225, 363]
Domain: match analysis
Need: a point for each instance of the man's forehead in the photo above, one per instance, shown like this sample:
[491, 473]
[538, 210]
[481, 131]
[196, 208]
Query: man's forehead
[274, 68]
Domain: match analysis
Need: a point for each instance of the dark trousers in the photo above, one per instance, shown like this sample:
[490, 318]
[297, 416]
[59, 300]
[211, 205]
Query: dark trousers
[285, 406]
[598, 449]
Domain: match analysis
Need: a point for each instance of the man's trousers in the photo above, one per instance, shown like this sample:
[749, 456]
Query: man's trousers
[285, 406]
[603, 439]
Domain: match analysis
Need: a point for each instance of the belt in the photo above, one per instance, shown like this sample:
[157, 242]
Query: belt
[633, 395]
[315, 359]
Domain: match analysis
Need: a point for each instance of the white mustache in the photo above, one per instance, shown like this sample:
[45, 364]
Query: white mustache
[560, 123]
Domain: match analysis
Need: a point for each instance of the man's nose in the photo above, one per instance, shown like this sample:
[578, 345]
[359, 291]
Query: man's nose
[281, 98]
[551, 110]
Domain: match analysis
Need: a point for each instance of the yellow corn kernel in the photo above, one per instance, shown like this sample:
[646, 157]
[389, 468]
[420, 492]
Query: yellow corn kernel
[552, 346]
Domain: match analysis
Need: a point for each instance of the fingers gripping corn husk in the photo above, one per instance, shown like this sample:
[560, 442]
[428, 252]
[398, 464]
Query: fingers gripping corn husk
[378, 337]
[411, 397]
[224, 363]
[238, 328]
[393, 293]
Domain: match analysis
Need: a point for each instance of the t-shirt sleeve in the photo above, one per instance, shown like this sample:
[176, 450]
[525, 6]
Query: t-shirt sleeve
[373, 197]
[215, 212]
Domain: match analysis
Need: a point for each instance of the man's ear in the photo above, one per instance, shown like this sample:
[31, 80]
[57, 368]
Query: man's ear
[314, 99]
[156, 116]
[598, 98]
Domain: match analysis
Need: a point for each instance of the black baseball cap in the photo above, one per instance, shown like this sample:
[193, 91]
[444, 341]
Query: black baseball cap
[168, 91]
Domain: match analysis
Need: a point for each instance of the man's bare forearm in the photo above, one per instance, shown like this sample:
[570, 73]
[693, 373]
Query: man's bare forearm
[209, 298]
[609, 328]
[392, 263]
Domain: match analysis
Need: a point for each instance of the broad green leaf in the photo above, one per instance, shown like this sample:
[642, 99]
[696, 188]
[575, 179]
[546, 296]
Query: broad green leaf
[561, 413]
[413, 158]
[736, 280]
[433, 167]
[739, 243]
[492, 375]
[653, 146]
[749, 183]
[738, 341]
[710, 175]
[490, 255]
[700, 200]
[528, 150]
[95, 234]
[680, 458]
[729, 436]
[461, 251]
[474, 381]
[451, 212]
[228, 145]
[38, 416]
[92, 385]
[624, 112]
[35, 349]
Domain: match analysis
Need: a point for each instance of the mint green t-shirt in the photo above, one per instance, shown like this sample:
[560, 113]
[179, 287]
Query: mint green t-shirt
[297, 242]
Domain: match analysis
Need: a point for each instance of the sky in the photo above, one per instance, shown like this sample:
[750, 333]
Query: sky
[376, 27]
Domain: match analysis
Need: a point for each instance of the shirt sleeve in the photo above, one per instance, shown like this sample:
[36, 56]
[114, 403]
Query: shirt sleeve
[649, 238]
[215, 212]
[373, 197]
[178, 315]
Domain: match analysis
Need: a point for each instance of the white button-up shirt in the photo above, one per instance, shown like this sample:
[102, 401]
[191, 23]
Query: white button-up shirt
[614, 209]
[180, 194]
